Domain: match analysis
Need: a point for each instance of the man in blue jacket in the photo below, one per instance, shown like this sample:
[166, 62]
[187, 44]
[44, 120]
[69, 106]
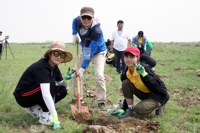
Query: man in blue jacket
[93, 49]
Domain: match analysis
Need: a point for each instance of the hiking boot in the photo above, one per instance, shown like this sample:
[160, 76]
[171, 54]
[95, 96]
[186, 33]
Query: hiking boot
[129, 113]
[160, 110]
[102, 106]
[45, 118]
[73, 101]
[33, 112]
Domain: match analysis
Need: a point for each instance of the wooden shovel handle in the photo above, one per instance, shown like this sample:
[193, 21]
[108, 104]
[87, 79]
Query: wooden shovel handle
[78, 80]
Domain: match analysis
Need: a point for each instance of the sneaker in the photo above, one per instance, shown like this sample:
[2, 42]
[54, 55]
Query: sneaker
[33, 112]
[45, 118]
[160, 110]
[129, 113]
[73, 101]
[102, 106]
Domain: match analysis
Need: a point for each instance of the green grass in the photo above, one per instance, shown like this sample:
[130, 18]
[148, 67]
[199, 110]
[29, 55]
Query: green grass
[169, 56]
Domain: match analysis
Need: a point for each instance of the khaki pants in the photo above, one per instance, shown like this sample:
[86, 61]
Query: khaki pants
[98, 61]
[147, 104]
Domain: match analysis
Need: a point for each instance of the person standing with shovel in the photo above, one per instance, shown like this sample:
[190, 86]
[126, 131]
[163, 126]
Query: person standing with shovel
[93, 49]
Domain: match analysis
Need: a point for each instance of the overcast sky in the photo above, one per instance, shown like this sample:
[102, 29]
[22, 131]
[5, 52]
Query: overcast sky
[47, 20]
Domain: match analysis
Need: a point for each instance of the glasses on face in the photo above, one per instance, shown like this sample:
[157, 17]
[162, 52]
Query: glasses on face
[86, 17]
[56, 54]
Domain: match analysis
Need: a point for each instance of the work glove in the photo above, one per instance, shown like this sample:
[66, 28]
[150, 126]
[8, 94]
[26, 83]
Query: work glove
[118, 112]
[110, 110]
[75, 39]
[56, 123]
[80, 72]
[69, 74]
[140, 69]
[145, 48]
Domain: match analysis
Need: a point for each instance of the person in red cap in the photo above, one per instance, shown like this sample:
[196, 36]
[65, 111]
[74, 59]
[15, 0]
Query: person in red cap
[139, 80]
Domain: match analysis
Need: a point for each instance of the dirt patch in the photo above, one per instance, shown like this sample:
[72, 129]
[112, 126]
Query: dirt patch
[191, 97]
[103, 122]
[183, 69]
[163, 77]
[162, 64]
[177, 91]
[108, 79]
[198, 73]
[81, 117]
[80, 113]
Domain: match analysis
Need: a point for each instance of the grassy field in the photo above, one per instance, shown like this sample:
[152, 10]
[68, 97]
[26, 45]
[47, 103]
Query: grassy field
[177, 64]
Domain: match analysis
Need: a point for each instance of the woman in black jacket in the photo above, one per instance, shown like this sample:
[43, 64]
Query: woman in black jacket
[141, 81]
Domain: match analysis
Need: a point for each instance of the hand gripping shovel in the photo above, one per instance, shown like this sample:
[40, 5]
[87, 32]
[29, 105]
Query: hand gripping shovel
[79, 111]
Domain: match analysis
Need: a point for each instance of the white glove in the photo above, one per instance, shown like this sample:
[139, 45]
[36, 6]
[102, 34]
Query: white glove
[145, 48]
[80, 72]
[75, 39]
[135, 45]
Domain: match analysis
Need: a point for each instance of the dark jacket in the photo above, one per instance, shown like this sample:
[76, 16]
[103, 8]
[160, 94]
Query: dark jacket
[155, 85]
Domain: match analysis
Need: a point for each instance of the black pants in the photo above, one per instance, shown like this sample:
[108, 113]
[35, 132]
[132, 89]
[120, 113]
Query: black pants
[119, 55]
[148, 52]
[36, 98]
[1, 45]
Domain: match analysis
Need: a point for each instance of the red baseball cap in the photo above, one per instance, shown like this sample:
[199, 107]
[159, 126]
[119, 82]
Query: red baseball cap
[133, 50]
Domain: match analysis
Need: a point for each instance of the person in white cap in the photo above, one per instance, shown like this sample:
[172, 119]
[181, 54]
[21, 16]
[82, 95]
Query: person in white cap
[93, 49]
[36, 90]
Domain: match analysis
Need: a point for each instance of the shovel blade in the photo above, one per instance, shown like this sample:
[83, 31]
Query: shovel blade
[80, 112]
[80, 108]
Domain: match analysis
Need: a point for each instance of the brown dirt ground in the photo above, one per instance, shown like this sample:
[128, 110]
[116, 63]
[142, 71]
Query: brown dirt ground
[191, 97]
[102, 122]
[105, 123]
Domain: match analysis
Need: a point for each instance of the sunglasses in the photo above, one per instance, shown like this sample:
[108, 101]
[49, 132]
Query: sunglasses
[56, 54]
[86, 17]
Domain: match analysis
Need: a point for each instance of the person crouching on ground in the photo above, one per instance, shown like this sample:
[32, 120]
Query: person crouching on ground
[37, 91]
[141, 81]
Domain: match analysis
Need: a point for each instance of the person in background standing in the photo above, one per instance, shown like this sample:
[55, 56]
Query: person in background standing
[93, 49]
[140, 42]
[120, 39]
[1, 43]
